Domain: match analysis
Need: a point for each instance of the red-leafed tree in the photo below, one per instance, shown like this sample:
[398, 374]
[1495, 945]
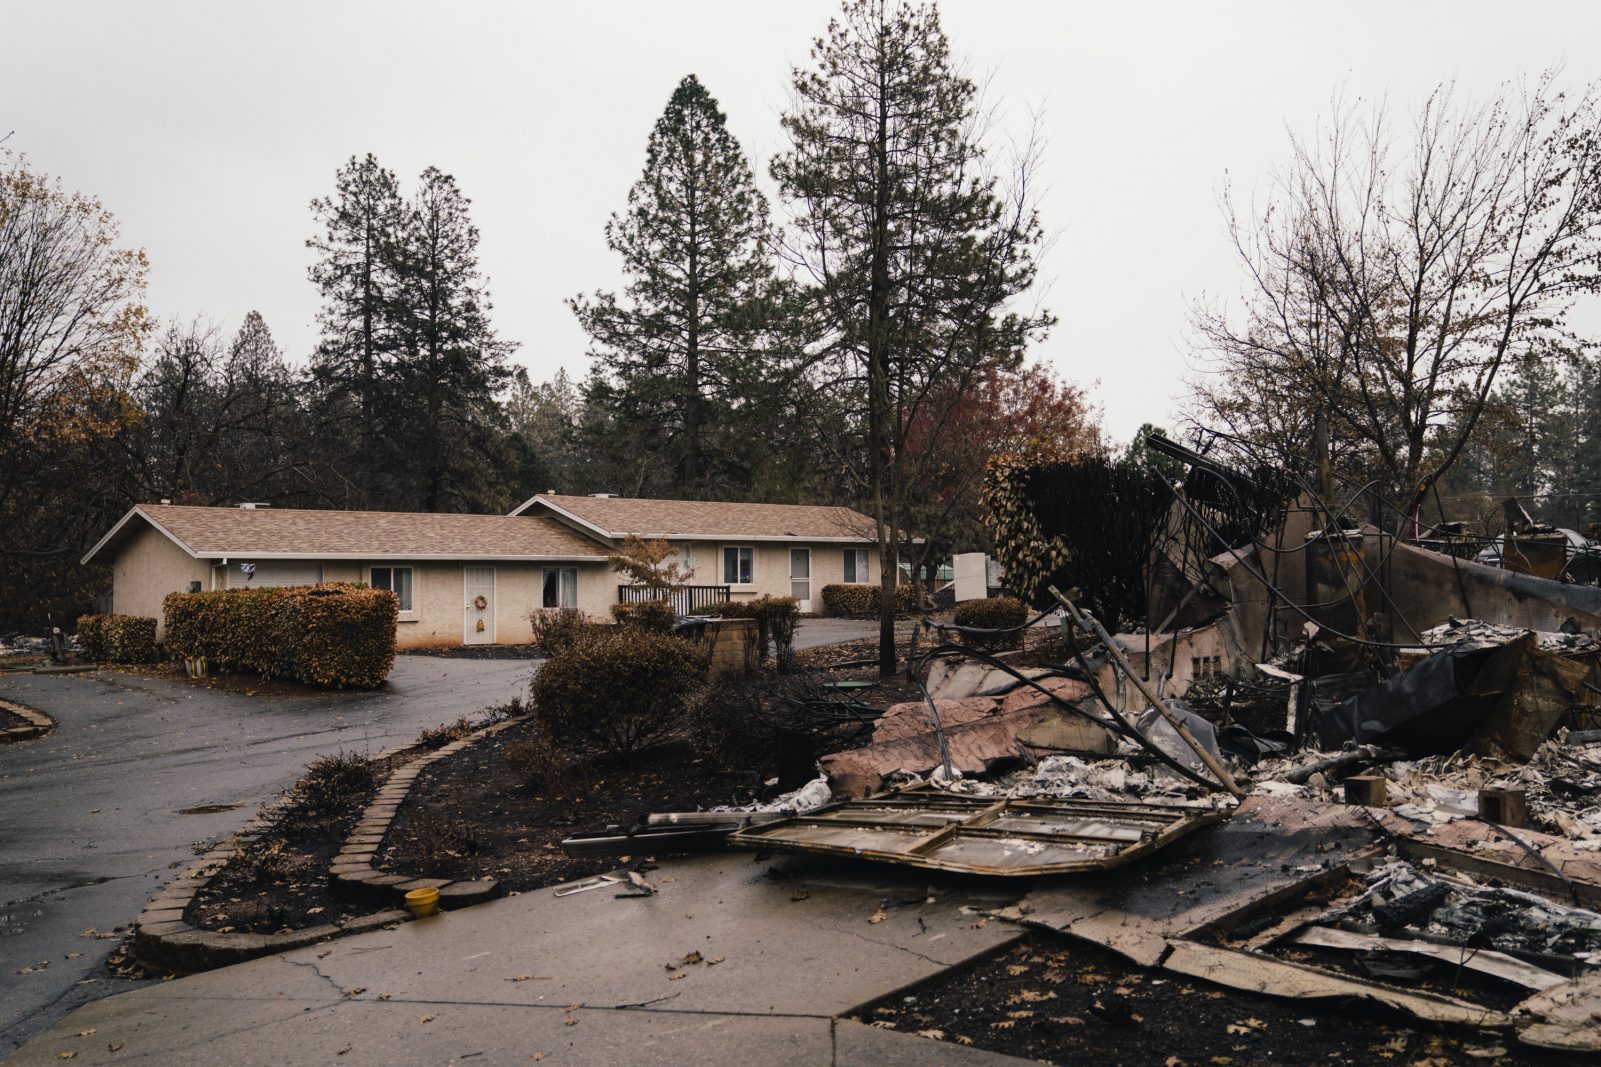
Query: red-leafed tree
[951, 438]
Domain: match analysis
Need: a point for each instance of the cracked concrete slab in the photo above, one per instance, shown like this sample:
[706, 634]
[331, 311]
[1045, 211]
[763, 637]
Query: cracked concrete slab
[792, 939]
[379, 1034]
[816, 955]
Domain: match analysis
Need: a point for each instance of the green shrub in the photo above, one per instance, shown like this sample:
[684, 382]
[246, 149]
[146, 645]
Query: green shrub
[657, 616]
[996, 613]
[776, 618]
[861, 601]
[555, 628]
[117, 638]
[620, 692]
[329, 635]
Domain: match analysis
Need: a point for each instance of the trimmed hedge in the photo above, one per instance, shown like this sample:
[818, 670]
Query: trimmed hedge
[618, 692]
[861, 601]
[996, 613]
[333, 635]
[776, 618]
[658, 616]
[118, 638]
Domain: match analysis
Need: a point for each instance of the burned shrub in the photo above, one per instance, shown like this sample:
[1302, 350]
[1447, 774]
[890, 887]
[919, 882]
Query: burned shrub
[996, 613]
[437, 737]
[538, 763]
[620, 692]
[334, 783]
[656, 616]
[775, 724]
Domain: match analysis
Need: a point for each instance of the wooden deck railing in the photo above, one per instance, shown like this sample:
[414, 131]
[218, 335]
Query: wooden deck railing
[689, 600]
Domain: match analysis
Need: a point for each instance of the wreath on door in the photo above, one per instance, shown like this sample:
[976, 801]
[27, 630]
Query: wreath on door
[480, 602]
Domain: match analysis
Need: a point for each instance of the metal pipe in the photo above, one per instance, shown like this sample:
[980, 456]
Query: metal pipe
[1089, 622]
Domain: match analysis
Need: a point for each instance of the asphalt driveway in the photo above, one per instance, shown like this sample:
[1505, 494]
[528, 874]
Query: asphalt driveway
[91, 816]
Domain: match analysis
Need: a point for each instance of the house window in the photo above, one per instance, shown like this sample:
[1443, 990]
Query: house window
[856, 566]
[737, 565]
[560, 588]
[395, 579]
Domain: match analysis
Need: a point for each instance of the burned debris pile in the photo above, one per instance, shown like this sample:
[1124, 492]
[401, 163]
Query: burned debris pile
[1384, 754]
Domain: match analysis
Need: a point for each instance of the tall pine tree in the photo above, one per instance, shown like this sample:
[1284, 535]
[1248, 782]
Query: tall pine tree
[356, 275]
[679, 356]
[915, 251]
[449, 365]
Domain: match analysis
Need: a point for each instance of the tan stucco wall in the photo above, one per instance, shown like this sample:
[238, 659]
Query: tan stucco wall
[770, 567]
[149, 567]
[438, 596]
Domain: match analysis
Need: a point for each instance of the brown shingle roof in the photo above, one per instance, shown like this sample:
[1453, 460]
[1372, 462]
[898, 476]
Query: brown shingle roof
[687, 519]
[288, 532]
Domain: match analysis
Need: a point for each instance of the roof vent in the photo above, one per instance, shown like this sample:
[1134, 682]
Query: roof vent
[252, 506]
[604, 496]
[166, 500]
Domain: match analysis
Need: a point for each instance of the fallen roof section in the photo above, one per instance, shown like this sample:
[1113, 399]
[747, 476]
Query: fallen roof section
[983, 835]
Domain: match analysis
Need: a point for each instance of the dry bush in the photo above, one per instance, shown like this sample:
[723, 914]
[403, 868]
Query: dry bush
[117, 638]
[334, 784]
[437, 737]
[618, 693]
[333, 635]
[556, 628]
[440, 835]
[862, 601]
[995, 613]
[658, 616]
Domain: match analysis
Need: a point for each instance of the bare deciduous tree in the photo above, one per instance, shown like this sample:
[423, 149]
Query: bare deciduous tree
[1391, 273]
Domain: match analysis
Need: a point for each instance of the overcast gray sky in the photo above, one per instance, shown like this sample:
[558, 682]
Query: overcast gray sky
[208, 127]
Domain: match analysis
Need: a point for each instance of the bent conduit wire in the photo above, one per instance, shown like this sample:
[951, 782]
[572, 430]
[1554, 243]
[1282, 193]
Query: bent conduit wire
[1254, 573]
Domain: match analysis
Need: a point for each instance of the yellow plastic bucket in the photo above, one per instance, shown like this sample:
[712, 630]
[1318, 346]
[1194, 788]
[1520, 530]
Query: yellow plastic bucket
[423, 902]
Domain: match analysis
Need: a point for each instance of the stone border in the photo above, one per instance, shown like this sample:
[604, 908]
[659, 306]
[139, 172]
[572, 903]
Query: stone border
[39, 723]
[355, 870]
[162, 937]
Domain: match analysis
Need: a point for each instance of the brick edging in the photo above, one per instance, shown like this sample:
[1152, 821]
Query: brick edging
[161, 935]
[39, 723]
[355, 871]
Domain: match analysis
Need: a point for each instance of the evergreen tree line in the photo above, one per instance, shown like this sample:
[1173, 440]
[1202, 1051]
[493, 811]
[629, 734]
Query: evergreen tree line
[868, 347]
[1540, 441]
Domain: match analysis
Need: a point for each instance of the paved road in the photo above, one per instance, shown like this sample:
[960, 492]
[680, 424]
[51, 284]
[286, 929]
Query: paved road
[90, 815]
[827, 631]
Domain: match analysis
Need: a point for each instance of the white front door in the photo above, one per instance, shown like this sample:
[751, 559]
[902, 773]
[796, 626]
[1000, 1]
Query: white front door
[478, 607]
[800, 577]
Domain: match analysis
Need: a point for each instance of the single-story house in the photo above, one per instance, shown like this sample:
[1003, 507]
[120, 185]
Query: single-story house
[473, 579]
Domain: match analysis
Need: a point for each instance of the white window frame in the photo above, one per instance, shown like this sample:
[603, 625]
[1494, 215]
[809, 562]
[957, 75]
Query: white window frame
[859, 557]
[559, 571]
[750, 572]
[411, 585]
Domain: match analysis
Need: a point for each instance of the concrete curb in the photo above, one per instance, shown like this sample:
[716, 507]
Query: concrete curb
[39, 723]
[355, 871]
[162, 937]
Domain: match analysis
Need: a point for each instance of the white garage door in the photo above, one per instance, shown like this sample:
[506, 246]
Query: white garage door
[274, 573]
